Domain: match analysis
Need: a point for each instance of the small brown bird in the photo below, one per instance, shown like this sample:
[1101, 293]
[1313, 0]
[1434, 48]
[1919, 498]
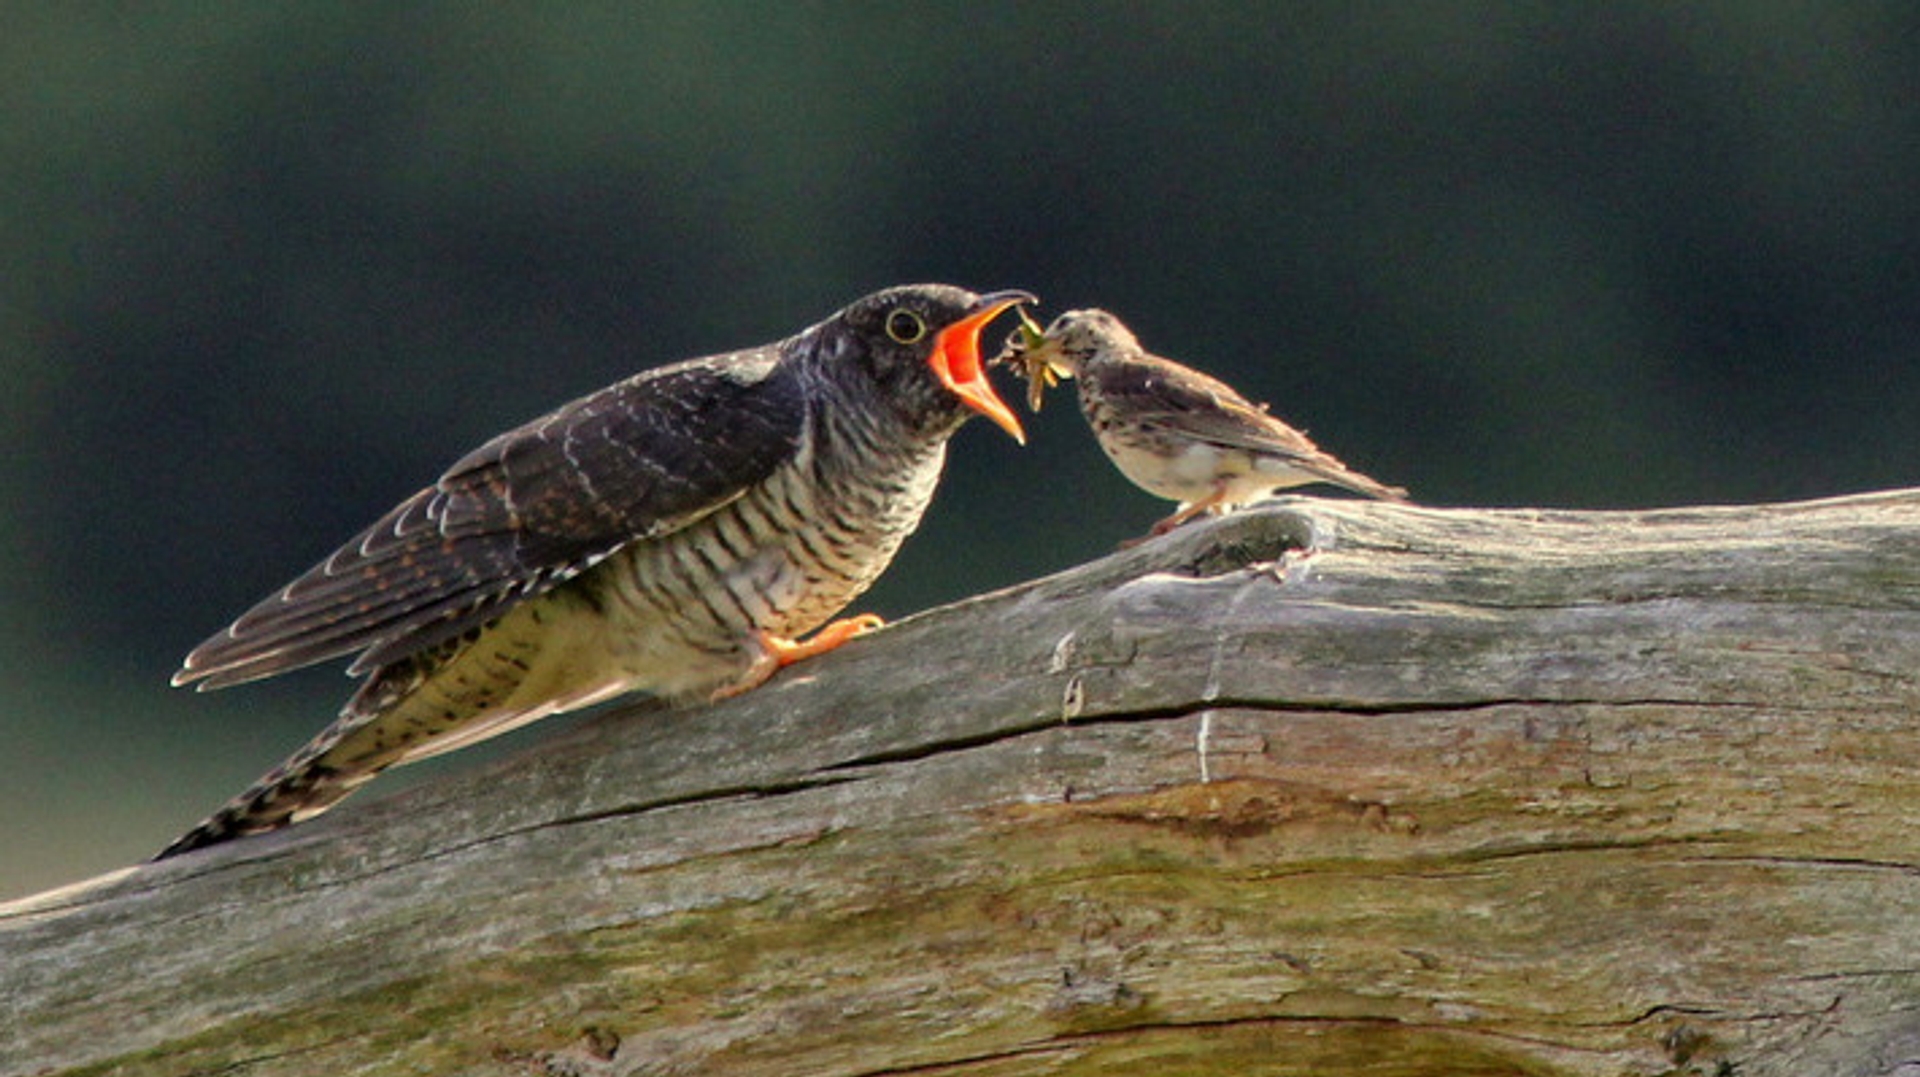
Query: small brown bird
[1175, 432]
[670, 534]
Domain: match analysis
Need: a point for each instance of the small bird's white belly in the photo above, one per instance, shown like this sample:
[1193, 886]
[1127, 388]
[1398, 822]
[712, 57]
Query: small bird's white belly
[1200, 471]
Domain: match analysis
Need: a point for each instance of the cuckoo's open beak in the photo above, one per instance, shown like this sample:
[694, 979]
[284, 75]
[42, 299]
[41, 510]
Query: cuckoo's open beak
[956, 361]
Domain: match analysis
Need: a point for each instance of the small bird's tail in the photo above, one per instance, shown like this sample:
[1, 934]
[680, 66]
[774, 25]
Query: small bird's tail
[1325, 467]
[1349, 479]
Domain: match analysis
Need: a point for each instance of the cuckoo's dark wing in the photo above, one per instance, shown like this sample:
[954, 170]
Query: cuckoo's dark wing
[524, 512]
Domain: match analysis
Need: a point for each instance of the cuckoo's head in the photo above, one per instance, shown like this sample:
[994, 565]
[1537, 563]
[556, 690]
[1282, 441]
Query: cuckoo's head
[919, 345]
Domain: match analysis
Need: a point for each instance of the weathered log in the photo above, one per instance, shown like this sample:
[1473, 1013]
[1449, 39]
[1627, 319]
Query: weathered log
[1460, 792]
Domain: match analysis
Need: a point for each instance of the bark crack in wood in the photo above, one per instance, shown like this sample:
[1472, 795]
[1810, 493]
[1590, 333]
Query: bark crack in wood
[1200, 709]
[759, 791]
[694, 799]
[1821, 862]
[1856, 974]
[972, 1062]
[945, 746]
[1081, 1043]
[1271, 705]
[1665, 1010]
[250, 1062]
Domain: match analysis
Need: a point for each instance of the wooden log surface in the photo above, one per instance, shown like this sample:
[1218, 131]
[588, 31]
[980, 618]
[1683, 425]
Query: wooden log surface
[1459, 792]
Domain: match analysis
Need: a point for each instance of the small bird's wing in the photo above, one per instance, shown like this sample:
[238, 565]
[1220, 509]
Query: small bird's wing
[524, 512]
[1153, 391]
[1156, 391]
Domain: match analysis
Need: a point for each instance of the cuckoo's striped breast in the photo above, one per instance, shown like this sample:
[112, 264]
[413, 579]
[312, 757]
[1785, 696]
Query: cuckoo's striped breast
[784, 557]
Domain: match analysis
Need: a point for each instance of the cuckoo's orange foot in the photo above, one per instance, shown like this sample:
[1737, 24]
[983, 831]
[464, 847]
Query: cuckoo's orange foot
[787, 651]
[778, 652]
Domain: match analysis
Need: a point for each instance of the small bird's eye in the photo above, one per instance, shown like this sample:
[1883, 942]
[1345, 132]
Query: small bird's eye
[905, 326]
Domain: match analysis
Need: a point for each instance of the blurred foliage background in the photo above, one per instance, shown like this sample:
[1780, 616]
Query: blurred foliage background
[270, 266]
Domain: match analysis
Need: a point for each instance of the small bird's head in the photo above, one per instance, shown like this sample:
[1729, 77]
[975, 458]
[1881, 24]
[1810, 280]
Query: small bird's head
[920, 345]
[1081, 336]
[1065, 347]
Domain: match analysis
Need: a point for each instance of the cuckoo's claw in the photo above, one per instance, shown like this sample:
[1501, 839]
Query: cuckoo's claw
[778, 652]
[787, 651]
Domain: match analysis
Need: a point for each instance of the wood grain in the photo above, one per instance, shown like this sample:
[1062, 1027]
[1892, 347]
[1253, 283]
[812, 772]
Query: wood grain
[1461, 792]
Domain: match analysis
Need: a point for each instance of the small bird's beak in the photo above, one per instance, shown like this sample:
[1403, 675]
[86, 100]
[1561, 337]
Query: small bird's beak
[956, 361]
[1029, 347]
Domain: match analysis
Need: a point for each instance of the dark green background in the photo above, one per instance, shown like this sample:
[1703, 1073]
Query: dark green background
[270, 266]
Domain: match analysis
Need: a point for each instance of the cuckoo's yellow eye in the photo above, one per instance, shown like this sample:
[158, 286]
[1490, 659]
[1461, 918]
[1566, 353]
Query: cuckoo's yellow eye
[906, 327]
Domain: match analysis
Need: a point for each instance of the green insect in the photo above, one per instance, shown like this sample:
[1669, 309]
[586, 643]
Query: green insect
[1026, 347]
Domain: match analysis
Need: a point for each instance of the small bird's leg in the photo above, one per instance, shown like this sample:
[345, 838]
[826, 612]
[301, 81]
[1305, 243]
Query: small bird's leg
[1210, 503]
[778, 652]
